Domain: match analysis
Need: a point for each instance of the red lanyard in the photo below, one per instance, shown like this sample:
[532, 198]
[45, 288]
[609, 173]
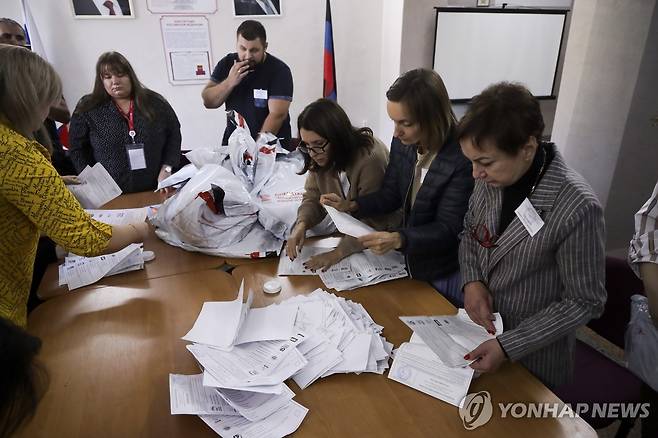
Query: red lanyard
[129, 118]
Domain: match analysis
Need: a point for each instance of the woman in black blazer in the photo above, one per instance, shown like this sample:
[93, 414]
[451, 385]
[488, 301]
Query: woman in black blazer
[427, 176]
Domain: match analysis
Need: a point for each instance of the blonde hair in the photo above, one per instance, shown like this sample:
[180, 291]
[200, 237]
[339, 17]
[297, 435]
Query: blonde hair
[27, 83]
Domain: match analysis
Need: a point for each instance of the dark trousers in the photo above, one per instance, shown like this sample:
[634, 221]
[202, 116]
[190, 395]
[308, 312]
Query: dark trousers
[45, 255]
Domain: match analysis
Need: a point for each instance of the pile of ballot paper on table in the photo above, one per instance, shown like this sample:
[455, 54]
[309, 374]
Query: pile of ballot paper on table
[358, 270]
[361, 269]
[247, 354]
[433, 360]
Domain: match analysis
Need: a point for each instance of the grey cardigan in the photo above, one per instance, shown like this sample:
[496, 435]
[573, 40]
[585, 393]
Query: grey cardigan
[543, 286]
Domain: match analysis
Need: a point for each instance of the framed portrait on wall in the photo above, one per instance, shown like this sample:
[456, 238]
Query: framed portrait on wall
[257, 8]
[102, 8]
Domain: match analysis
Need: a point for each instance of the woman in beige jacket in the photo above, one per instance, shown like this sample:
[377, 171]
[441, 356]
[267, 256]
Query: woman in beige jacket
[339, 158]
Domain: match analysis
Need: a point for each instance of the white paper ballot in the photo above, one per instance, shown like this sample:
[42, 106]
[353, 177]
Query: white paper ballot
[210, 381]
[363, 269]
[268, 324]
[355, 355]
[281, 423]
[119, 217]
[188, 396]
[255, 363]
[348, 225]
[451, 337]
[97, 187]
[219, 322]
[311, 249]
[415, 365]
[296, 267]
[255, 406]
[82, 271]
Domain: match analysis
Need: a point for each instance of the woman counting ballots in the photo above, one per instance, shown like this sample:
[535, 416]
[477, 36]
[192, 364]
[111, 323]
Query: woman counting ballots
[341, 159]
[132, 131]
[533, 241]
[427, 176]
[33, 197]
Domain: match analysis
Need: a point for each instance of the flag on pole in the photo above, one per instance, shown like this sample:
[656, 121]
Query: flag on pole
[329, 91]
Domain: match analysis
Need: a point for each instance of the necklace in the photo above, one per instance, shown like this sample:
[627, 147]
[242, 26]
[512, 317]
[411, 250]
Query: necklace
[541, 170]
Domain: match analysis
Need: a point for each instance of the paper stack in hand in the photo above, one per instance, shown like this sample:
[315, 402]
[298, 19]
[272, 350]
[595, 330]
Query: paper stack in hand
[80, 271]
[246, 355]
[96, 187]
[433, 359]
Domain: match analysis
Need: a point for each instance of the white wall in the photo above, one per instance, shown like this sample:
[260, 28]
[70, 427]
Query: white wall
[417, 46]
[391, 41]
[73, 47]
[11, 9]
[606, 46]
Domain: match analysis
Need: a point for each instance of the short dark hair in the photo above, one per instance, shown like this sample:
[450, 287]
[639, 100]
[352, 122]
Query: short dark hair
[505, 113]
[252, 29]
[22, 380]
[327, 119]
[424, 95]
[6, 20]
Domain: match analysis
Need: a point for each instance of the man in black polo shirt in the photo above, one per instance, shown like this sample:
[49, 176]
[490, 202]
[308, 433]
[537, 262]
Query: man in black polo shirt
[254, 83]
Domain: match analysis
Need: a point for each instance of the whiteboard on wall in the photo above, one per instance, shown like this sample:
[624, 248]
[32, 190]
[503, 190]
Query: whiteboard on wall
[476, 48]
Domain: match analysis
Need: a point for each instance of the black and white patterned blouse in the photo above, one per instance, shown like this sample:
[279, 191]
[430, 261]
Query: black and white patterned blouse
[101, 135]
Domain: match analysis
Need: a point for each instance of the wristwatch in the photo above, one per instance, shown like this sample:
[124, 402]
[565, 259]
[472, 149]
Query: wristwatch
[167, 169]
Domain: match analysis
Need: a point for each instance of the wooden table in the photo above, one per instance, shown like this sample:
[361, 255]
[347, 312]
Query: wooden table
[109, 352]
[370, 405]
[169, 260]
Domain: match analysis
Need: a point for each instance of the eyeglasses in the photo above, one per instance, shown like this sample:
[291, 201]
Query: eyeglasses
[483, 236]
[316, 148]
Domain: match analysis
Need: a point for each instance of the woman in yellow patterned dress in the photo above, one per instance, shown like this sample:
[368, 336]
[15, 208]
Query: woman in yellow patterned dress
[33, 197]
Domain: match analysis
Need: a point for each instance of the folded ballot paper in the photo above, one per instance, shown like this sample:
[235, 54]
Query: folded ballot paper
[77, 271]
[433, 359]
[119, 217]
[347, 224]
[247, 354]
[96, 187]
[358, 270]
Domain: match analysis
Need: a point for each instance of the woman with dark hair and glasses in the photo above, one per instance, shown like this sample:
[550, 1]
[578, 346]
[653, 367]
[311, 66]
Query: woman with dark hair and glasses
[533, 241]
[427, 176]
[340, 159]
[132, 131]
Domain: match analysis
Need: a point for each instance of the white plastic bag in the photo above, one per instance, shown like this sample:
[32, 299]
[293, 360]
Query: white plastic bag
[187, 217]
[265, 161]
[281, 196]
[202, 156]
[642, 342]
[258, 243]
[242, 151]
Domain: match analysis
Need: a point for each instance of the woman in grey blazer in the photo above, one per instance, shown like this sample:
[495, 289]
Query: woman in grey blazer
[533, 241]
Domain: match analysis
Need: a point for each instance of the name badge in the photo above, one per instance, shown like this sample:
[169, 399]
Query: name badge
[136, 156]
[260, 94]
[529, 217]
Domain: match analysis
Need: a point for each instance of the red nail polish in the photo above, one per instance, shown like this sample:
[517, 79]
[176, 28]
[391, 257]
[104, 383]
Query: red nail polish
[467, 357]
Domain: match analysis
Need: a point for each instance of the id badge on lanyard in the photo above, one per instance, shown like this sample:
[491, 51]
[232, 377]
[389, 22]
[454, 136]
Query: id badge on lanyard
[134, 150]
